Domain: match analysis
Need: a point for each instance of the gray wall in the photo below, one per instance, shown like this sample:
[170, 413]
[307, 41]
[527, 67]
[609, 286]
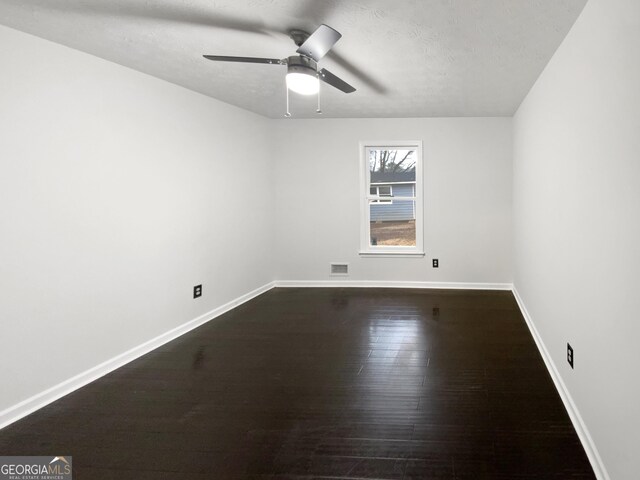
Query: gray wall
[577, 221]
[467, 198]
[114, 195]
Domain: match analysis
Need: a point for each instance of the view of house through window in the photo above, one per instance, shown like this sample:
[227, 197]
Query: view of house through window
[392, 196]
[382, 191]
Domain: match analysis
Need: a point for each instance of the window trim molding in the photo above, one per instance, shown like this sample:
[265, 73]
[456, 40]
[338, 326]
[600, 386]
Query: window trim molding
[367, 250]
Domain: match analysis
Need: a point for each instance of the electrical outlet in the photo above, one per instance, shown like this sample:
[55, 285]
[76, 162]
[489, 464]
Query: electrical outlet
[435, 263]
[570, 355]
[197, 291]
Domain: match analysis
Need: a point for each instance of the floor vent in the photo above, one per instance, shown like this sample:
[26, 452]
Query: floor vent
[340, 269]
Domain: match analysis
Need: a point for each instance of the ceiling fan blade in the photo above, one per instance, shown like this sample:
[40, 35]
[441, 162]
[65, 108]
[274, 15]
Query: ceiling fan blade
[357, 73]
[328, 77]
[222, 58]
[319, 42]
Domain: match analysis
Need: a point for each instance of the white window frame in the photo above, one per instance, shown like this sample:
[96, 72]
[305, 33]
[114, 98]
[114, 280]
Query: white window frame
[366, 249]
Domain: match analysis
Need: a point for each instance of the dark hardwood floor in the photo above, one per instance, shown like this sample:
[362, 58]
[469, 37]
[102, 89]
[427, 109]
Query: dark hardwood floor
[324, 383]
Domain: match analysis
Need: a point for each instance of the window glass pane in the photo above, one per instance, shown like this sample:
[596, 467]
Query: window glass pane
[394, 167]
[373, 191]
[384, 190]
[392, 224]
[387, 163]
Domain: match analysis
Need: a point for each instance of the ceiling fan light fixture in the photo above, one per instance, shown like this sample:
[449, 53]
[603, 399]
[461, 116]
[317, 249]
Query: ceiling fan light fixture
[302, 75]
[303, 83]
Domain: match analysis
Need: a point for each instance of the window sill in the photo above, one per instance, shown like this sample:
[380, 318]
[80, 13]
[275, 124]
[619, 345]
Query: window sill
[383, 254]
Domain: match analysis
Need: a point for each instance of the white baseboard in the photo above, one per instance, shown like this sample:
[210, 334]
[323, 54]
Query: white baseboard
[391, 284]
[30, 405]
[579, 425]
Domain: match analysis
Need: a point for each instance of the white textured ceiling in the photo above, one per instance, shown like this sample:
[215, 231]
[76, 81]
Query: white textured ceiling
[407, 58]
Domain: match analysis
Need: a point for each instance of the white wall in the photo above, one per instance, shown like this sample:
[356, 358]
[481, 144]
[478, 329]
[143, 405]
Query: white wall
[577, 221]
[118, 193]
[467, 198]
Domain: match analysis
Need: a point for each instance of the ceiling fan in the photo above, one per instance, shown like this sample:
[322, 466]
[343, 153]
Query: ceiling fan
[303, 76]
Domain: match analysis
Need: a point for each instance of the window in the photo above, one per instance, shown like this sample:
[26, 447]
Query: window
[391, 198]
[381, 191]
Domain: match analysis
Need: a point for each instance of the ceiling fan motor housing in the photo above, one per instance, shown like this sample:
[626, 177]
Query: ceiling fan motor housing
[302, 64]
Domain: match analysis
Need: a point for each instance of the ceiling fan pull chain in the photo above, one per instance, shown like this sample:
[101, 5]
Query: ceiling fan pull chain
[318, 111]
[288, 114]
